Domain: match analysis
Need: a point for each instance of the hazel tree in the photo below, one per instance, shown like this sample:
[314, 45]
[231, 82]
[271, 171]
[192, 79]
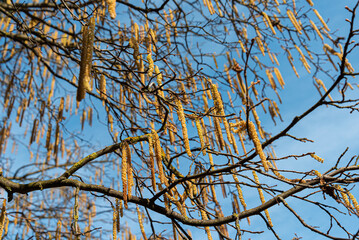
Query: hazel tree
[160, 115]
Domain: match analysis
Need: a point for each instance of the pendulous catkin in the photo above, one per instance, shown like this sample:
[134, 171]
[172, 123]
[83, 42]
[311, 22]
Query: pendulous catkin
[102, 87]
[257, 144]
[158, 154]
[261, 196]
[217, 99]
[124, 174]
[200, 135]
[182, 119]
[112, 8]
[152, 161]
[86, 59]
[140, 221]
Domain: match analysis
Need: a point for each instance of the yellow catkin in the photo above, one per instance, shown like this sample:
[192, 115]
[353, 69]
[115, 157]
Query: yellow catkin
[294, 21]
[159, 80]
[112, 8]
[290, 59]
[200, 135]
[114, 223]
[86, 59]
[319, 159]
[302, 58]
[217, 99]
[261, 196]
[344, 195]
[316, 172]
[152, 162]
[150, 65]
[260, 45]
[239, 191]
[182, 119]
[207, 229]
[130, 182]
[140, 221]
[328, 48]
[234, 143]
[119, 212]
[158, 154]
[354, 201]
[316, 29]
[215, 60]
[58, 230]
[321, 19]
[275, 59]
[320, 83]
[2, 218]
[276, 107]
[124, 174]
[110, 121]
[310, 3]
[279, 77]
[271, 79]
[258, 122]
[257, 144]
[269, 22]
[218, 133]
[168, 35]
[102, 86]
[120, 207]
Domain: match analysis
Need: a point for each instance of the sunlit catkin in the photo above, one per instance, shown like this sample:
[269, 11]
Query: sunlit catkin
[207, 229]
[269, 22]
[86, 59]
[218, 133]
[260, 45]
[112, 8]
[114, 224]
[124, 174]
[58, 230]
[140, 221]
[316, 29]
[294, 21]
[257, 144]
[150, 65]
[354, 201]
[217, 99]
[344, 195]
[158, 154]
[271, 79]
[181, 117]
[321, 20]
[200, 135]
[159, 80]
[239, 191]
[261, 196]
[129, 171]
[152, 162]
[76, 212]
[320, 83]
[279, 77]
[102, 86]
[258, 122]
[319, 159]
[119, 212]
